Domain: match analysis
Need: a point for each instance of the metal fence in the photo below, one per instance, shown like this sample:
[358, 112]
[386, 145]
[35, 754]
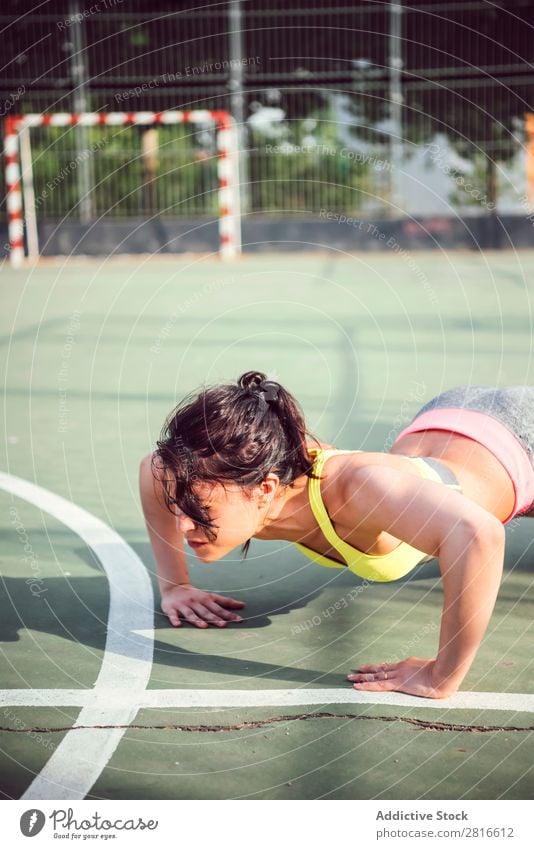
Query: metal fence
[374, 109]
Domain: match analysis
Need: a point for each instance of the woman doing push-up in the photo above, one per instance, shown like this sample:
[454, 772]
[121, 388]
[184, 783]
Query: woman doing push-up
[236, 462]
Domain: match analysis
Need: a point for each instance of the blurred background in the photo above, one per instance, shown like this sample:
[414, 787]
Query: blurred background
[415, 116]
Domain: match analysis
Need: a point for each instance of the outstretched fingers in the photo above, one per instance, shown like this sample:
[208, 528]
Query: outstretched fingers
[375, 677]
[377, 667]
[227, 602]
[221, 613]
[373, 681]
[376, 686]
[190, 615]
[206, 615]
[199, 608]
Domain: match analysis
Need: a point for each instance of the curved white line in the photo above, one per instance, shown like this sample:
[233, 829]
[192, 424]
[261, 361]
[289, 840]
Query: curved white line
[80, 758]
[119, 690]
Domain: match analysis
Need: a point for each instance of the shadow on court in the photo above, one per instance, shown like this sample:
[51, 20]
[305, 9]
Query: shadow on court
[76, 610]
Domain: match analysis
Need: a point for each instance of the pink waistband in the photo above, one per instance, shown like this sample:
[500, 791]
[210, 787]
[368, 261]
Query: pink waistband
[494, 436]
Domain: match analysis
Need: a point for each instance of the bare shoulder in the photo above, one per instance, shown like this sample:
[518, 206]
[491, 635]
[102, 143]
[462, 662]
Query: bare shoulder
[151, 477]
[350, 464]
[153, 461]
[344, 473]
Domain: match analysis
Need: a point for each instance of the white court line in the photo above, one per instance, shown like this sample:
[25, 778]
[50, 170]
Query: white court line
[101, 699]
[82, 755]
[120, 689]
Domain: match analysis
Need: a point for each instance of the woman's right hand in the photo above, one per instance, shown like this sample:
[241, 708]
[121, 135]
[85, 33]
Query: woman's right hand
[198, 607]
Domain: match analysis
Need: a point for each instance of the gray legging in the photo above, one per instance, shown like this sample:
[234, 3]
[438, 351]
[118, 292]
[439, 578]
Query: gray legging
[513, 406]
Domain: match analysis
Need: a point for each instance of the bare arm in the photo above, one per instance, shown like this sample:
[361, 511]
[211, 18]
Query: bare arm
[469, 543]
[179, 599]
[471, 565]
[165, 537]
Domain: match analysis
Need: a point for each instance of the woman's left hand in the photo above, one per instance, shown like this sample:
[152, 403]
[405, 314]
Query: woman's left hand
[414, 675]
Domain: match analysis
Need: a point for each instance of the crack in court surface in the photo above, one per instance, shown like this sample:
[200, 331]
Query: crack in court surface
[261, 723]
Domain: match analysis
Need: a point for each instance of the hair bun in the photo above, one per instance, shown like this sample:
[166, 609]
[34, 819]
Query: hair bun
[251, 379]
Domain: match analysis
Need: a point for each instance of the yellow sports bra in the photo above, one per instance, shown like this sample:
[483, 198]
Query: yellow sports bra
[373, 567]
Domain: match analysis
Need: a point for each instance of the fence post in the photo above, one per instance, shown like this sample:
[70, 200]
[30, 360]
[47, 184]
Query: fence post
[395, 102]
[237, 98]
[84, 172]
[13, 193]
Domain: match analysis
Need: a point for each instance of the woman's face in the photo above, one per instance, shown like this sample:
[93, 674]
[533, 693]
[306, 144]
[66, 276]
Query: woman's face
[235, 511]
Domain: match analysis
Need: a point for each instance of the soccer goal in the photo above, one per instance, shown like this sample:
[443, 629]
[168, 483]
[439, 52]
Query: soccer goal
[23, 203]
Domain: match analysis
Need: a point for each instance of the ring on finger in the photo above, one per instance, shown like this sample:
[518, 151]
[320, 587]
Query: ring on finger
[385, 675]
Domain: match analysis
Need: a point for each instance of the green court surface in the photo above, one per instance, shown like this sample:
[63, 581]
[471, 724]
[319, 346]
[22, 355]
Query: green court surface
[96, 354]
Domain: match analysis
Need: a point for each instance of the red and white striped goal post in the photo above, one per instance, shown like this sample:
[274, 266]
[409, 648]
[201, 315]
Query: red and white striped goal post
[227, 167]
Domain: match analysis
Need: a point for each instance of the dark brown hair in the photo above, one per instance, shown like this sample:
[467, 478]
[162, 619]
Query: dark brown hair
[236, 432]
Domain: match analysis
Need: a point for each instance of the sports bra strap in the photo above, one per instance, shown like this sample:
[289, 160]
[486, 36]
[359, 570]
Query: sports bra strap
[348, 552]
[319, 510]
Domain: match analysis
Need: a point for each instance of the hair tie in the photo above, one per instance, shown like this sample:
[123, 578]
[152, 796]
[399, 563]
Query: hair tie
[266, 392]
[269, 390]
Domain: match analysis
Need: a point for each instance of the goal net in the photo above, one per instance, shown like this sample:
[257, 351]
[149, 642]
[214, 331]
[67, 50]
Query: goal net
[94, 166]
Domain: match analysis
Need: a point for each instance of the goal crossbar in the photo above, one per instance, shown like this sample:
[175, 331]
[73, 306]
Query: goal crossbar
[15, 126]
